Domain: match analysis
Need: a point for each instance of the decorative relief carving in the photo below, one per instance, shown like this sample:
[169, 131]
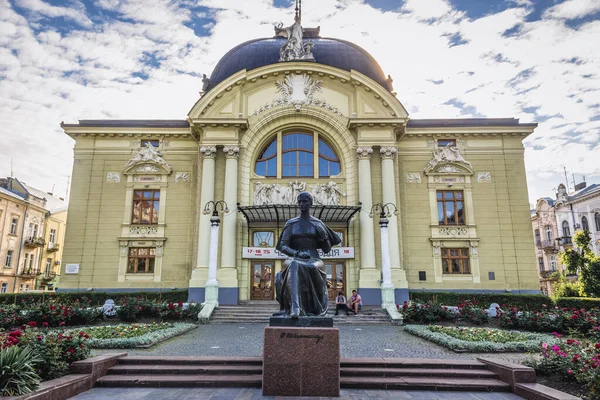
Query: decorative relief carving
[447, 155]
[449, 169]
[231, 151]
[146, 178]
[444, 179]
[484, 177]
[124, 245]
[364, 153]
[182, 177]
[295, 48]
[413, 177]
[388, 152]
[453, 231]
[474, 248]
[209, 151]
[113, 177]
[274, 193]
[135, 144]
[298, 90]
[150, 157]
[143, 230]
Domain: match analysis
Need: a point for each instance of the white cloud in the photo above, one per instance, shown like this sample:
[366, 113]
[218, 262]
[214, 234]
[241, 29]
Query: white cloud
[77, 15]
[572, 9]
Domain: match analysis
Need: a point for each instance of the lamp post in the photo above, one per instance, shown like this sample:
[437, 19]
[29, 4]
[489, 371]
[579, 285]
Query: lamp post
[211, 288]
[385, 211]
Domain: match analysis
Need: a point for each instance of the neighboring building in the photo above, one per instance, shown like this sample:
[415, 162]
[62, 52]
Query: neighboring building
[264, 130]
[24, 236]
[546, 234]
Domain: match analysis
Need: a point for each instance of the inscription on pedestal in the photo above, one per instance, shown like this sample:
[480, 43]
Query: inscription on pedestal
[301, 362]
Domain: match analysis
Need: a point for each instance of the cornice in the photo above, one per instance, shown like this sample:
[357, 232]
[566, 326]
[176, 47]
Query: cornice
[484, 131]
[116, 132]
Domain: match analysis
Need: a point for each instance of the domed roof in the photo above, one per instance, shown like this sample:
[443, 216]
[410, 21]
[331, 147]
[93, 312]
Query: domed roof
[334, 52]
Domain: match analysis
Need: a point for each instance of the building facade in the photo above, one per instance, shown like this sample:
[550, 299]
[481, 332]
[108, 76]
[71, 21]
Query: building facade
[546, 236]
[32, 227]
[274, 119]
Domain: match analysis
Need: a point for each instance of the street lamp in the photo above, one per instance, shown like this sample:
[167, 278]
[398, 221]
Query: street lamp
[211, 288]
[385, 212]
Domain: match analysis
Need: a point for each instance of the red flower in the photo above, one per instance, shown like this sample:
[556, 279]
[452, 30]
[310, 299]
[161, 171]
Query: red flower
[32, 324]
[61, 324]
[180, 304]
[598, 345]
[45, 324]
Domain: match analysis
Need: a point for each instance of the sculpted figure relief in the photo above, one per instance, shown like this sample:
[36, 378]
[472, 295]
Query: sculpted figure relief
[294, 48]
[301, 286]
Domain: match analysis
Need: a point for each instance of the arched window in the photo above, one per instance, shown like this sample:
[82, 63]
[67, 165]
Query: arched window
[584, 224]
[597, 218]
[266, 165]
[296, 157]
[297, 153]
[329, 164]
[566, 230]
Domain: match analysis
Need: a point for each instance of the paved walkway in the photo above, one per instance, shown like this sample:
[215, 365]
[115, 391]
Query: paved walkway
[355, 341]
[247, 340]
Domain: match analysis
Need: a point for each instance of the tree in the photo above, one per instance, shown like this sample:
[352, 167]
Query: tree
[583, 261]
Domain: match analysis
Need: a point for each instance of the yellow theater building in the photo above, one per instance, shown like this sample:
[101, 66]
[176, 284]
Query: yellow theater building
[299, 112]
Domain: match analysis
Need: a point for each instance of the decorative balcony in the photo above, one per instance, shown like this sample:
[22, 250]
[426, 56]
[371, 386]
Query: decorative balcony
[549, 246]
[52, 247]
[549, 274]
[48, 276]
[29, 273]
[35, 242]
[565, 241]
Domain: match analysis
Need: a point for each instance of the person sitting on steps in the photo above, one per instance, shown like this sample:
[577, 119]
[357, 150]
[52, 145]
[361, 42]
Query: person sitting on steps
[355, 302]
[340, 304]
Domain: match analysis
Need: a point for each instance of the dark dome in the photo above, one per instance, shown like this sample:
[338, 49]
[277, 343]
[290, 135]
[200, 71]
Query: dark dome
[334, 52]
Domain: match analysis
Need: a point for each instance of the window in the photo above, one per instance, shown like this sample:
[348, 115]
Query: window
[141, 260]
[297, 154]
[450, 207]
[552, 263]
[341, 236]
[455, 261]
[9, 255]
[541, 263]
[31, 262]
[296, 157]
[538, 238]
[263, 239]
[597, 218]
[52, 237]
[145, 206]
[565, 229]
[21, 287]
[329, 164]
[27, 288]
[33, 229]
[446, 142]
[48, 266]
[13, 226]
[584, 224]
[4, 287]
[154, 143]
[548, 233]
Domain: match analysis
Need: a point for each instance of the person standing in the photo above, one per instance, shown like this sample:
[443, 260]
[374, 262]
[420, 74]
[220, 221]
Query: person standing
[341, 304]
[355, 302]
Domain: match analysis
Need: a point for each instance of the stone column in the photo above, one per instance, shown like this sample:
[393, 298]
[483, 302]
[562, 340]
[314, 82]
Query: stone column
[387, 288]
[211, 286]
[207, 193]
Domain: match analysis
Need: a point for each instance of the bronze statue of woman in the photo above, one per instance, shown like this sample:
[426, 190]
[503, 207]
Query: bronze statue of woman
[301, 286]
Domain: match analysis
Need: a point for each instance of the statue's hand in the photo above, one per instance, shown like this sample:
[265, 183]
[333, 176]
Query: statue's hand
[303, 254]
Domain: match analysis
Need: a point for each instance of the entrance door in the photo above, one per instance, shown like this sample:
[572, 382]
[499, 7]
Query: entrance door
[336, 276]
[263, 280]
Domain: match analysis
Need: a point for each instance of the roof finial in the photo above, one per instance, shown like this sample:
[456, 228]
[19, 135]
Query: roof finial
[297, 17]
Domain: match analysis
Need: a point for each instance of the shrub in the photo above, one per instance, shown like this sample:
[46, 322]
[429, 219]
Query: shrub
[95, 298]
[470, 312]
[526, 301]
[18, 376]
[578, 302]
[425, 313]
[565, 288]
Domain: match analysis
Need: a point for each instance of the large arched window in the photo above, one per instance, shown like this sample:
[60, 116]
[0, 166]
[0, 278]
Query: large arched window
[296, 157]
[566, 230]
[584, 224]
[597, 218]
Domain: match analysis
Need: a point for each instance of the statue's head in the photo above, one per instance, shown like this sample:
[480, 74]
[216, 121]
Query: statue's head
[305, 201]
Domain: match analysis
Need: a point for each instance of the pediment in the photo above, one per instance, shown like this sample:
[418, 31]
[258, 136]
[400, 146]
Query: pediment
[148, 160]
[448, 160]
[450, 168]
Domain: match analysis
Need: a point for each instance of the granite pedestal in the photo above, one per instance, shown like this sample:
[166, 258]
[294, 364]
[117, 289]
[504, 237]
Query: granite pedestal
[301, 361]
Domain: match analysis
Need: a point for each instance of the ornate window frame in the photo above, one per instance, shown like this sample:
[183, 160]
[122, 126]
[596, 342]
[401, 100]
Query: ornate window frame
[448, 170]
[146, 170]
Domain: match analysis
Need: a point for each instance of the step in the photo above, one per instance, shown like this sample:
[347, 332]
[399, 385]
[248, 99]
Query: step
[424, 383]
[411, 363]
[189, 360]
[167, 369]
[180, 381]
[440, 372]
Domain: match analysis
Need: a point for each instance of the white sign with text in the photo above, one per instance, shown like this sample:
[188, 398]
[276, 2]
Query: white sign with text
[272, 253]
[71, 268]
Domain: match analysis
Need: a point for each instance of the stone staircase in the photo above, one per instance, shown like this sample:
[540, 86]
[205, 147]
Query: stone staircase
[258, 312]
[363, 373]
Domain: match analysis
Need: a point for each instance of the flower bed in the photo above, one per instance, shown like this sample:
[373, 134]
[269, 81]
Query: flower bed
[480, 339]
[125, 336]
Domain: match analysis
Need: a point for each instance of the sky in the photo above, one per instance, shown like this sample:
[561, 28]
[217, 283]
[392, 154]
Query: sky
[537, 60]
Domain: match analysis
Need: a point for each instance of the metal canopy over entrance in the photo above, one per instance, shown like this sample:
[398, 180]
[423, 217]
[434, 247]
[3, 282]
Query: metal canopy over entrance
[280, 213]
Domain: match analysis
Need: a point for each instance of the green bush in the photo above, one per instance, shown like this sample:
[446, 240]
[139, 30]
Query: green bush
[470, 311]
[17, 372]
[528, 301]
[578, 302]
[95, 298]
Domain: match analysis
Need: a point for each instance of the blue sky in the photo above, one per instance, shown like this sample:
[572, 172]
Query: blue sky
[537, 60]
